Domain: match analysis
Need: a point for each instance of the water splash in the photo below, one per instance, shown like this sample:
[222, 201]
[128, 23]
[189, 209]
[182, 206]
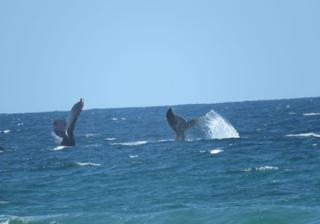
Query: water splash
[216, 127]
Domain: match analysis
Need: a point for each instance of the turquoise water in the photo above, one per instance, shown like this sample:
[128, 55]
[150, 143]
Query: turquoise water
[248, 162]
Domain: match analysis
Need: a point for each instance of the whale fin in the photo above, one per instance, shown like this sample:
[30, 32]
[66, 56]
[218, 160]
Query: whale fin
[179, 124]
[59, 127]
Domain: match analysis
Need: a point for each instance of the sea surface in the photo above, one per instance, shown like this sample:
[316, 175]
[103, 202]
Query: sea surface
[246, 162]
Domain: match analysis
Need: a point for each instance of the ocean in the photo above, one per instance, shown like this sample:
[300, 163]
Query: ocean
[246, 162]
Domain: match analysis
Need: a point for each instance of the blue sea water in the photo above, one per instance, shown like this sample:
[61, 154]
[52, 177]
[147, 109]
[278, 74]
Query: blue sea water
[248, 162]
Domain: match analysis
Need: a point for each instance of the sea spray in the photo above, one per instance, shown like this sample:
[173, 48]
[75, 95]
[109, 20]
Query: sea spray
[216, 127]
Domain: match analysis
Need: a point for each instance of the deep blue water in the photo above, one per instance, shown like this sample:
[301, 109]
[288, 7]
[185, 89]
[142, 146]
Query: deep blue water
[126, 168]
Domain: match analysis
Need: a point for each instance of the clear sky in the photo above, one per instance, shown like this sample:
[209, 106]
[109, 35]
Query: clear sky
[144, 53]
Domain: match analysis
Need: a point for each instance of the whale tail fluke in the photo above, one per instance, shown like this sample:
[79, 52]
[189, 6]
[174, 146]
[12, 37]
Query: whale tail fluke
[64, 129]
[179, 124]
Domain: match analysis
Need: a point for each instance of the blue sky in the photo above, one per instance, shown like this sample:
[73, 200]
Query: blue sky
[144, 53]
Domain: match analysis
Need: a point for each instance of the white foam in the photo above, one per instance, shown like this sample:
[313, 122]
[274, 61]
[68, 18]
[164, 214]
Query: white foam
[114, 118]
[165, 140]
[311, 114]
[6, 131]
[310, 134]
[262, 168]
[217, 127]
[88, 135]
[5, 222]
[60, 147]
[216, 151]
[110, 139]
[88, 164]
[130, 143]
[247, 170]
[265, 168]
[20, 124]
[133, 156]
[123, 118]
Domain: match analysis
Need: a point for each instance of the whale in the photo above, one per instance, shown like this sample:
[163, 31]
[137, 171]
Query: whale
[64, 128]
[179, 124]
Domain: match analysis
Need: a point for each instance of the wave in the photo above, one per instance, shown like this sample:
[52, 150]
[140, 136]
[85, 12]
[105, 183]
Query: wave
[88, 135]
[165, 140]
[262, 168]
[217, 127]
[8, 219]
[5, 131]
[310, 134]
[311, 114]
[110, 139]
[216, 151]
[88, 164]
[133, 156]
[130, 143]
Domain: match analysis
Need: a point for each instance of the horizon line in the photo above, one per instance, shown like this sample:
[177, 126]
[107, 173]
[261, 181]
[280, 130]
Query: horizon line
[150, 106]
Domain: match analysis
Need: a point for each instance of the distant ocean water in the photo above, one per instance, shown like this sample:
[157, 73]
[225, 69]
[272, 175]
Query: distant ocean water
[248, 162]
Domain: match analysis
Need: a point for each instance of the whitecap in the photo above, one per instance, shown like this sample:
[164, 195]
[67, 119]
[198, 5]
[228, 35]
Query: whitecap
[114, 118]
[130, 143]
[217, 127]
[265, 168]
[88, 164]
[165, 140]
[6, 131]
[262, 168]
[110, 139]
[92, 145]
[310, 134]
[133, 156]
[311, 114]
[88, 135]
[216, 151]
[247, 170]
[5, 222]
[123, 118]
